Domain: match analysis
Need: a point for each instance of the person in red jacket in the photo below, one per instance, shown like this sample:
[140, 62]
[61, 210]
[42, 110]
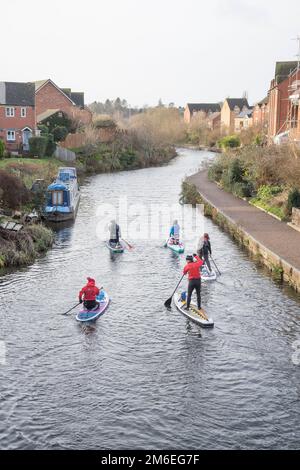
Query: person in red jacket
[88, 294]
[192, 268]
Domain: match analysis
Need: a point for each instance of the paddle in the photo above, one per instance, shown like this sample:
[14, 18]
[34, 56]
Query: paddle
[215, 265]
[130, 247]
[169, 301]
[71, 309]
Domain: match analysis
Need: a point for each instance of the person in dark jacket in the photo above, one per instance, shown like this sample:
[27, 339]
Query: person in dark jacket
[204, 250]
[192, 268]
[114, 233]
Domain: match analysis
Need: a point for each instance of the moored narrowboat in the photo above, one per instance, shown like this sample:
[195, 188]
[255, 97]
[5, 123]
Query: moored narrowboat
[63, 196]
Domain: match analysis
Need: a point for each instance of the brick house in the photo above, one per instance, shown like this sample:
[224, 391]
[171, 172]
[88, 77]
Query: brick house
[261, 113]
[48, 96]
[17, 115]
[214, 121]
[231, 108]
[206, 109]
[284, 95]
[244, 120]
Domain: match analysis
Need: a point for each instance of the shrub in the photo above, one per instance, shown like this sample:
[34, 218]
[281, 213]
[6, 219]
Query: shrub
[60, 133]
[230, 141]
[44, 129]
[215, 172]
[266, 192]
[105, 122]
[38, 146]
[189, 194]
[51, 146]
[235, 172]
[293, 199]
[242, 189]
[2, 148]
[13, 192]
[128, 158]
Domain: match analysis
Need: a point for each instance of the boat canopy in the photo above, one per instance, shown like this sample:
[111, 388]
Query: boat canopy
[67, 173]
[57, 187]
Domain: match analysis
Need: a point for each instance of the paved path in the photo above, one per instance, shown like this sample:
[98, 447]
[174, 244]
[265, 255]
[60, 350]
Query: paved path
[275, 235]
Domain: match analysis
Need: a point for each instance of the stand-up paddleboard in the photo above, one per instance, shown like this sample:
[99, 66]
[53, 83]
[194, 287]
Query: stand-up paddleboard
[91, 315]
[116, 247]
[193, 314]
[208, 276]
[177, 248]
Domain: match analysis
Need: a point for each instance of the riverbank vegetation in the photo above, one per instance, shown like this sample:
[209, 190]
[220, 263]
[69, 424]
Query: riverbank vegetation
[146, 139]
[23, 247]
[268, 176]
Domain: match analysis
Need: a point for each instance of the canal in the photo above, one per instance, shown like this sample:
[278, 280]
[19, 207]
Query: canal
[144, 377]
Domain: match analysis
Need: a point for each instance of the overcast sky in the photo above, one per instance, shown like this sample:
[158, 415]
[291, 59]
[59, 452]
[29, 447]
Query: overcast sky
[176, 50]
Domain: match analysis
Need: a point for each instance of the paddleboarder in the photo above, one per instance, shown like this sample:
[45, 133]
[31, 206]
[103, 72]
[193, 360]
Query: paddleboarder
[174, 232]
[88, 294]
[192, 268]
[114, 232]
[204, 250]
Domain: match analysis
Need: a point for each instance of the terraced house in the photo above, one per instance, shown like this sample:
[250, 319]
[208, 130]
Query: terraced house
[51, 99]
[205, 109]
[284, 99]
[17, 115]
[231, 109]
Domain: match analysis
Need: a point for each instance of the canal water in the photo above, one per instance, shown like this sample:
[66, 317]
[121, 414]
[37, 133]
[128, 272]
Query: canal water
[144, 377]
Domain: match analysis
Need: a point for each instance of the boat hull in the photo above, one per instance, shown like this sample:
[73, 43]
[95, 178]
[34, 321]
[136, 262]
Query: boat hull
[116, 249]
[91, 315]
[193, 314]
[59, 216]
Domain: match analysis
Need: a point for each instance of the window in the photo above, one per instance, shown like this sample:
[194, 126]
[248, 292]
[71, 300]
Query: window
[57, 198]
[23, 112]
[11, 136]
[9, 112]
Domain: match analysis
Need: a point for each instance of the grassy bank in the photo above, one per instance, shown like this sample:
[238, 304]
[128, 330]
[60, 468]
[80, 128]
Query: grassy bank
[30, 169]
[22, 248]
[268, 177]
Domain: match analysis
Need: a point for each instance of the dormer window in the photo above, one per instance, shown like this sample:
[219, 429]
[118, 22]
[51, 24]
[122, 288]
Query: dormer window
[236, 110]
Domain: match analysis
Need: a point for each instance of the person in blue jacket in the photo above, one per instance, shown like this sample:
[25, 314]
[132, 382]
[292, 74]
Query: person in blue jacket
[175, 233]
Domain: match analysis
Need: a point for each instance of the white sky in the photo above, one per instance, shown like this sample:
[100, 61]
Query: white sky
[177, 50]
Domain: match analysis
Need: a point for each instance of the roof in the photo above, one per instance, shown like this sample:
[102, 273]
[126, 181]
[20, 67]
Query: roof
[264, 101]
[38, 84]
[46, 114]
[206, 107]
[246, 113]
[240, 102]
[17, 93]
[283, 69]
[78, 98]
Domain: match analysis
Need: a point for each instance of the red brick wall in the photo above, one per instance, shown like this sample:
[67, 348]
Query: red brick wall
[260, 114]
[49, 97]
[16, 123]
[279, 105]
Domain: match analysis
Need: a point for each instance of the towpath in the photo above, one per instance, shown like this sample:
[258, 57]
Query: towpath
[275, 235]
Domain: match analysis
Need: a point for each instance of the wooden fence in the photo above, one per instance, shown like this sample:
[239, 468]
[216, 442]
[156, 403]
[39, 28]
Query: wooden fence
[64, 154]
